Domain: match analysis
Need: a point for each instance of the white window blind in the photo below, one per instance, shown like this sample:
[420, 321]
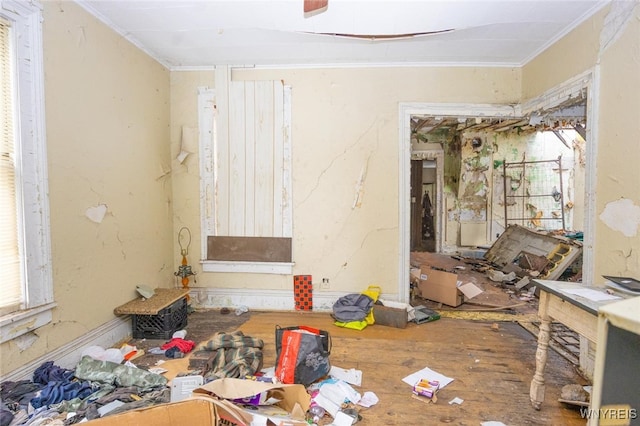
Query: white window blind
[11, 295]
[26, 284]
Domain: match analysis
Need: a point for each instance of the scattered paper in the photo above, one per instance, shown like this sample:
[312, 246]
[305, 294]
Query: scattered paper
[269, 372]
[470, 290]
[369, 399]
[593, 295]
[427, 373]
[182, 387]
[456, 400]
[492, 423]
[109, 407]
[329, 405]
[351, 376]
[342, 419]
[332, 395]
[130, 364]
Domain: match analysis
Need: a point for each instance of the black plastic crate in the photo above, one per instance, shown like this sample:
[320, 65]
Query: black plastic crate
[162, 325]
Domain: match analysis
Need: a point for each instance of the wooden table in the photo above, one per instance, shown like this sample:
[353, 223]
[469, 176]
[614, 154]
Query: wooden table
[576, 312]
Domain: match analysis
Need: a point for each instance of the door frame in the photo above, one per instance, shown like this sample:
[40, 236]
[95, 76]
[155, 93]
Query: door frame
[588, 81]
[406, 110]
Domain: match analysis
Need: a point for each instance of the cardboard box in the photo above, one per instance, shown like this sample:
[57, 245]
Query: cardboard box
[439, 286]
[293, 400]
[199, 410]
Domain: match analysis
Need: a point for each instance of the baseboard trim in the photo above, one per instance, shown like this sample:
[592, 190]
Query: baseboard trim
[68, 355]
[254, 299]
[271, 300]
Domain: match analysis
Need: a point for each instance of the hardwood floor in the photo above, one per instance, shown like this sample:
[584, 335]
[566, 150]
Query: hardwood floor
[491, 368]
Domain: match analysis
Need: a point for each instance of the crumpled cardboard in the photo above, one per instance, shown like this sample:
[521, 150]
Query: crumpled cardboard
[199, 410]
[293, 398]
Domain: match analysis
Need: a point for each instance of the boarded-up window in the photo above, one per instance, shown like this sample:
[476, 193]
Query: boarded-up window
[246, 167]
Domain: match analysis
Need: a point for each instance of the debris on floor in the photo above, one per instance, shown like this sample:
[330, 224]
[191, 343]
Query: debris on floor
[109, 391]
[526, 252]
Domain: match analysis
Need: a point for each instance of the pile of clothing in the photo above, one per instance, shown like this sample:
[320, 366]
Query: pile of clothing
[231, 355]
[100, 385]
[54, 392]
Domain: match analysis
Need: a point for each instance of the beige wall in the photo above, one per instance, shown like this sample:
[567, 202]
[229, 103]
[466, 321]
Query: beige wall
[114, 119]
[572, 55]
[107, 115]
[343, 120]
[617, 251]
[616, 130]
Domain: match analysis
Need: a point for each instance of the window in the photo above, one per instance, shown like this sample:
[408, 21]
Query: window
[26, 296]
[245, 171]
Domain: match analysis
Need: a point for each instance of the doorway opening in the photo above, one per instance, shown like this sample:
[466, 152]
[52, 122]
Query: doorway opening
[467, 197]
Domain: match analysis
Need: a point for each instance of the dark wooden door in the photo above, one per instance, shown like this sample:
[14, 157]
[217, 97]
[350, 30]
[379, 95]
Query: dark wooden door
[416, 204]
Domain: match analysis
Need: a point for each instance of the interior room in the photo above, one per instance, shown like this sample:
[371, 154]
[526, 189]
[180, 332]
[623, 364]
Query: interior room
[244, 166]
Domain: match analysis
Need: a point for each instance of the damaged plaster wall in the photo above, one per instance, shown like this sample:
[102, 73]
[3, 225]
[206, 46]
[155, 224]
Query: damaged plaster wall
[474, 185]
[614, 171]
[538, 179]
[185, 170]
[617, 249]
[342, 119]
[107, 109]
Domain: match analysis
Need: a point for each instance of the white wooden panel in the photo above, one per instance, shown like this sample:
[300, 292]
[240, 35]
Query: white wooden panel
[221, 149]
[249, 143]
[206, 123]
[250, 150]
[278, 163]
[264, 159]
[237, 162]
[287, 209]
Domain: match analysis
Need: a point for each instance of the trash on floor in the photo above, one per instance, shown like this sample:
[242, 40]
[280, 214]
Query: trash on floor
[426, 383]
[292, 399]
[424, 314]
[445, 287]
[511, 252]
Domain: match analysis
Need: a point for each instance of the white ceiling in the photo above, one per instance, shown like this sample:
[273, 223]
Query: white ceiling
[186, 34]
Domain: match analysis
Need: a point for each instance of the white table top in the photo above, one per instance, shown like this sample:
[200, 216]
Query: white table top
[559, 289]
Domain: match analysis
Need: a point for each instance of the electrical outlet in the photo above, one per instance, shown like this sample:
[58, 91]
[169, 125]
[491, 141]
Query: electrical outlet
[325, 284]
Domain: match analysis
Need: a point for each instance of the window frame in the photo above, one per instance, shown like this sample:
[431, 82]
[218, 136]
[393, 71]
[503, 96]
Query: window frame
[31, 178]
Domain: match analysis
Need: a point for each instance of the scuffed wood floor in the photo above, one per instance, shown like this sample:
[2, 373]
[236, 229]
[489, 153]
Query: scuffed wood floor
[491, 369]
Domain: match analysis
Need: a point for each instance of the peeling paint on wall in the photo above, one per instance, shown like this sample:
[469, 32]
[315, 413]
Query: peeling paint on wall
[25, 341]
[622, 215]
[96, 214]
[357, 202]
[615, 22]
[188, 143]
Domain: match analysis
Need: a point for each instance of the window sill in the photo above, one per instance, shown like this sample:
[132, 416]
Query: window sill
[281, 268]
[21, 322]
